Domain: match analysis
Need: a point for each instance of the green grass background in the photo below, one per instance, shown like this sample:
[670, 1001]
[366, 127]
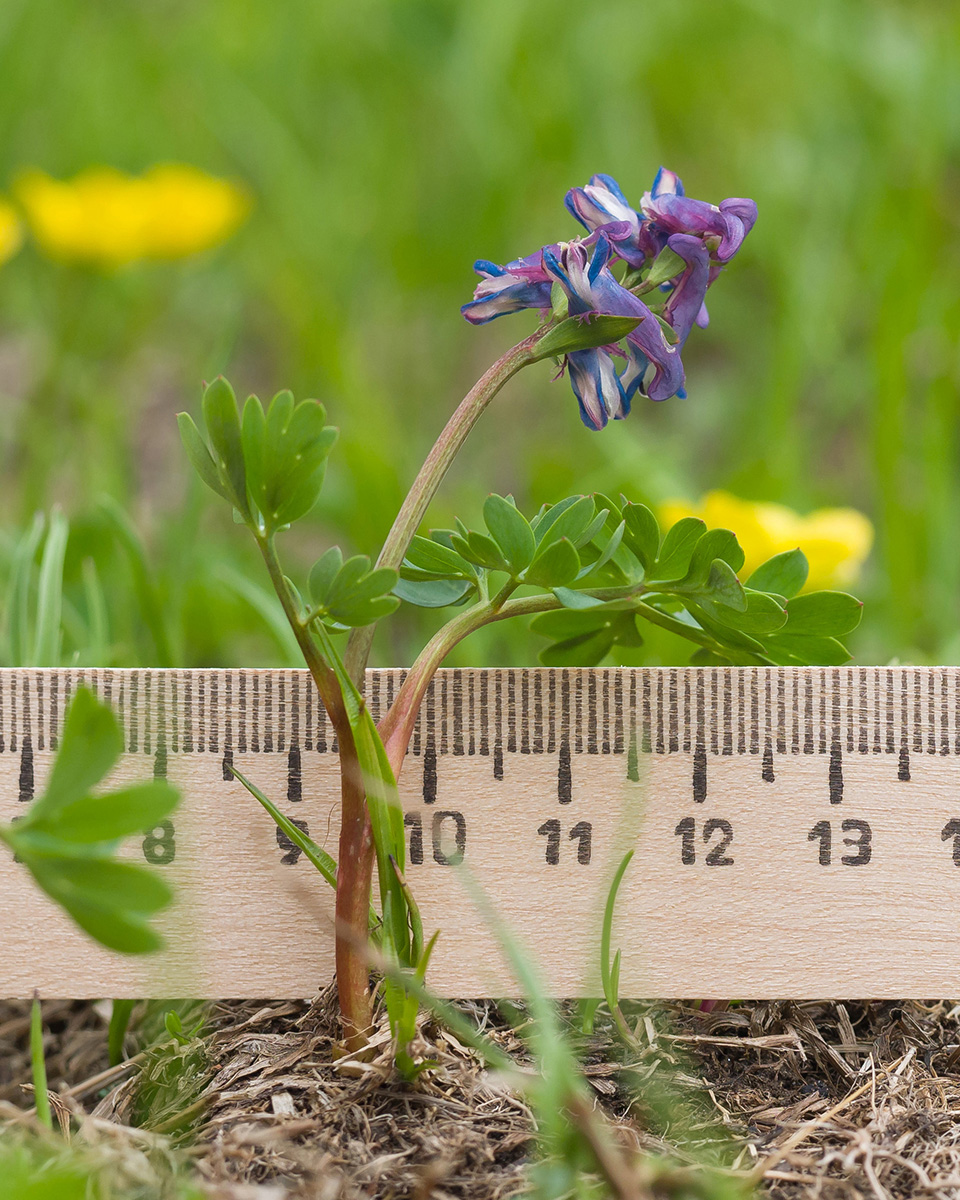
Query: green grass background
[388, 143]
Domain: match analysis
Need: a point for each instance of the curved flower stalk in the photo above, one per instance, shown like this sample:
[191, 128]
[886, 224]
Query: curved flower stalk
[674, 248]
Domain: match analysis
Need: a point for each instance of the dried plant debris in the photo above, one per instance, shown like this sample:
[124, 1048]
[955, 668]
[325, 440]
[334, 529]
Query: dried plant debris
[809, 1099]
[74, 1043]
[283, 1110]
[859, 1099]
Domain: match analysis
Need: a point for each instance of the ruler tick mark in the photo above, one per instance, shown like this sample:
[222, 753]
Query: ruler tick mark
[25, 794]
[836, 773]
[564, 778]
[294, 783]
[700, 773]
[430, 773]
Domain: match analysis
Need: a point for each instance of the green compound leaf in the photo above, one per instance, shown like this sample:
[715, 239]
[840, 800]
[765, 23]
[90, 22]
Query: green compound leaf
[323, 573]
[608, 553]
[480, 550]
[350, 593]
[286, 451]
[576, 600]
[784, 574]
[673, 561]
[716, 544]
[555, 564]
[222, 420]
[67, 837]
[93, 819]
[587, 650]
[763, 615]
[667, 265]
[511, 531]
[199, 454]
[113, 927]
[723, 586]
[583, 333]
[90, 746]
[349, 577]
[788, 650]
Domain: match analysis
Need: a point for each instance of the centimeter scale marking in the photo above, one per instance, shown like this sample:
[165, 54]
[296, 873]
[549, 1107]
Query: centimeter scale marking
[538, 781]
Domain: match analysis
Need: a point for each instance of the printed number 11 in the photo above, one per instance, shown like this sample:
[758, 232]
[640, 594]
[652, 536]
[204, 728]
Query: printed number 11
[582, 833]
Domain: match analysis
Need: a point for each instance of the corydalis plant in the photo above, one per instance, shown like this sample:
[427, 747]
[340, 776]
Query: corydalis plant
[668, 254]
[593, 570]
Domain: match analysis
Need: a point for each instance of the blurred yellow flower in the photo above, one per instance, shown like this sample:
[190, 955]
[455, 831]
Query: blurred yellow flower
[836, 541]
[11, 231]
[107, 218]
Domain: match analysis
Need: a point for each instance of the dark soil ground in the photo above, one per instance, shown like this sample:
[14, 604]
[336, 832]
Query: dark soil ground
[816, 1099]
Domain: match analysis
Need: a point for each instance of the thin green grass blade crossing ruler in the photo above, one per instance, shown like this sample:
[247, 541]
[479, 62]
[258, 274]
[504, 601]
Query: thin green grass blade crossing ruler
[797, 830]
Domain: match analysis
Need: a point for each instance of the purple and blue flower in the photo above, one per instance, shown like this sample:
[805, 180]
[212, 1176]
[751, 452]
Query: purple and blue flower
[701, 236]
[521, 284]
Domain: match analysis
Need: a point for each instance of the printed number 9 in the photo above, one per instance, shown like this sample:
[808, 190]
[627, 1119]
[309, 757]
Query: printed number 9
[159, 846]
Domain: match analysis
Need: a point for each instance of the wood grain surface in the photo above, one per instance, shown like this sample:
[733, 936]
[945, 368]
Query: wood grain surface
[797, 831]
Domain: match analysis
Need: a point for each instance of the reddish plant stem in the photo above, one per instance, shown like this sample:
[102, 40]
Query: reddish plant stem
[355, 862]
[356, 852]
[396, 728]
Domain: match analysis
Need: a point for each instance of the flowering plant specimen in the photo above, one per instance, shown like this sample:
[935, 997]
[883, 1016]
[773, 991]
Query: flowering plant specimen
[591, 570]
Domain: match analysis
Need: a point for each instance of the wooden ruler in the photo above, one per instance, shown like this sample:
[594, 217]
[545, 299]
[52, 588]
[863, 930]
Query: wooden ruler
[797, 831]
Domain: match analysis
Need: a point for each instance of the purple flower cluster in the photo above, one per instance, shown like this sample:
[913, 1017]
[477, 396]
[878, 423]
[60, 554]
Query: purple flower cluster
[697, 240]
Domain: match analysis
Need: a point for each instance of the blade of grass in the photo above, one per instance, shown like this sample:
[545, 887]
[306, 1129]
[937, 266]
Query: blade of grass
[610, 970]
[117, 1030]
[38, 1064]
[18, 592]
[97, 642]
[144, 583]
[47, 635]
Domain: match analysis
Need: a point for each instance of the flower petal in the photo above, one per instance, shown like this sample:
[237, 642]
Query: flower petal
[521, 284]
[597, 387]
[743, 208]
[666, 183]
[601, 205]
[680, 214]
[686, 300]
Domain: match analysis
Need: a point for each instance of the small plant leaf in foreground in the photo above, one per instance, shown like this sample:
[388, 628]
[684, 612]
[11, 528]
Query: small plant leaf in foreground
[68, 838]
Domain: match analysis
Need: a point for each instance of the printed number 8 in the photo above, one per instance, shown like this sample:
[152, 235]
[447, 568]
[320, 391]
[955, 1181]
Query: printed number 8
[159, 846]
